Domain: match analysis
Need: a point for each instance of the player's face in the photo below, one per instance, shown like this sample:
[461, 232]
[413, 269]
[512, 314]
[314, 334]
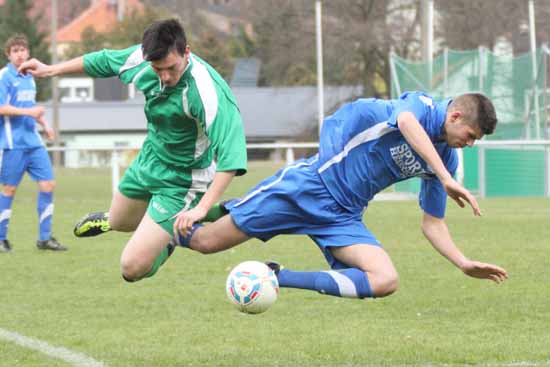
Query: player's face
[171, 68]
[18, 54]
[460, 134]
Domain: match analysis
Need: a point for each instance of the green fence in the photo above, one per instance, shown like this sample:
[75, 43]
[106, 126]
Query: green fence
[520, 99]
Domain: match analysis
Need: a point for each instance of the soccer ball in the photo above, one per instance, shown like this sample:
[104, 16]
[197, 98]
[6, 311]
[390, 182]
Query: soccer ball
[252, 287]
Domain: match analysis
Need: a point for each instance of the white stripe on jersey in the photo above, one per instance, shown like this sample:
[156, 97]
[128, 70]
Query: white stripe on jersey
[209, 99]
[140, 73]
[202, 143]
[345, 285]
[265, 187]
[7, 129]
[3, 71]
[133, 60]
[1, 160]
[372, 133]
[207, 91]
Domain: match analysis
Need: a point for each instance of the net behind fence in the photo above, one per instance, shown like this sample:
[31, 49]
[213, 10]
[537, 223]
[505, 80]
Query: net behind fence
[518, 88]
[508, 81]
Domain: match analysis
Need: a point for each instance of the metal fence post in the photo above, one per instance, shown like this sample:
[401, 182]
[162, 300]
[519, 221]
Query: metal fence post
[115, 169]
[481, 172]
[289, 156]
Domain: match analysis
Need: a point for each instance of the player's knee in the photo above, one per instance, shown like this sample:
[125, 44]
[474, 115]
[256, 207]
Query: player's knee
[9, 190]
[133, 269]
[203, 244]
[385, 283]
[47, 186]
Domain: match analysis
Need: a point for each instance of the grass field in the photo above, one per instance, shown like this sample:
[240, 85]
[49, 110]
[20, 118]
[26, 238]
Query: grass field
[181, 317]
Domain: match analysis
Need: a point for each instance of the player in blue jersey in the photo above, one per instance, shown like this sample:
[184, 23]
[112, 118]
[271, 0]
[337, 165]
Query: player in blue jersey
[21, 148]
[365, 147]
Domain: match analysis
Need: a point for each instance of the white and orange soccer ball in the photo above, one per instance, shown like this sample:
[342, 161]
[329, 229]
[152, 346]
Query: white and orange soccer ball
[252, 287]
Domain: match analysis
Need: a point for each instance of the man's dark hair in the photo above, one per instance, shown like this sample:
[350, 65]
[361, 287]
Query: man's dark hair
[16, 40]
[161, 37]
[478, 110]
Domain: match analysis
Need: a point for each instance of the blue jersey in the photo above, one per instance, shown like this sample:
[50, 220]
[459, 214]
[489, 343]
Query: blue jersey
[17, 132]
[362, 151]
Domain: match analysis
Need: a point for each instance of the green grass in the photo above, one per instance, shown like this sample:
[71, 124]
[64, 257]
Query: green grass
[181, 317]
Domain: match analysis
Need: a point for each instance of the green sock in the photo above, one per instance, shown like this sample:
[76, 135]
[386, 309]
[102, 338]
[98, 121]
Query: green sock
[215, 213]
[159, 261]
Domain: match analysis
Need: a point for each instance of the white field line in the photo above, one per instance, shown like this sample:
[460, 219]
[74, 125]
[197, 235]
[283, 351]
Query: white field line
[74, 358]
[503, 364]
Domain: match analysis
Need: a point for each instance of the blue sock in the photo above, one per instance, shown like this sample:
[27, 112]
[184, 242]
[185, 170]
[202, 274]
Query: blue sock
[185, 241]
[44, 206]
[350, 283]
[5, 214]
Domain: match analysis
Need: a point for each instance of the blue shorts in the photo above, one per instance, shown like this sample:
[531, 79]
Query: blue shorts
[15, 162]
[295, 201]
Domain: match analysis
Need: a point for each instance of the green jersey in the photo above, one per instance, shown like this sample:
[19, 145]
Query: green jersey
[195, 124]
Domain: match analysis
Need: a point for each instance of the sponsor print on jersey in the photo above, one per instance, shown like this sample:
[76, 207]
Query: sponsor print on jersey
[405, 159]
[26, 95]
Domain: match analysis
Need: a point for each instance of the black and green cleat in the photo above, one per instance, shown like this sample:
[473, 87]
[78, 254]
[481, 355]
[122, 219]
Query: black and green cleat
[92, 224]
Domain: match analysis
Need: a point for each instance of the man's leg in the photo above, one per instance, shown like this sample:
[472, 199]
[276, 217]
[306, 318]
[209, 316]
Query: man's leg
[370, 274]
[12, 168]
[146, 251]
[124, 215]
[6, 200]
[44, 207]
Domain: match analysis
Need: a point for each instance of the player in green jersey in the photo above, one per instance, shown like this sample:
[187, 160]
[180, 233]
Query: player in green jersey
[195, 143]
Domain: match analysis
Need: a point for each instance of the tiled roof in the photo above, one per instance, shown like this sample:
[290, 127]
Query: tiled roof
[101, 15]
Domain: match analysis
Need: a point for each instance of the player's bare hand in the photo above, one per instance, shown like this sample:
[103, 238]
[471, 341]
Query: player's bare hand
[34, 67]
[480, 270]
[50, 133]
[459, 194]
[186, 218]
[37, 112]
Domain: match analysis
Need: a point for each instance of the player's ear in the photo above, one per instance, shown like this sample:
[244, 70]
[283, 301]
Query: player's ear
[455, 115]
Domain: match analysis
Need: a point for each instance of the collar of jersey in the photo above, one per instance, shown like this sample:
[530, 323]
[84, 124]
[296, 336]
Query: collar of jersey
[188, 68]
[13, 71]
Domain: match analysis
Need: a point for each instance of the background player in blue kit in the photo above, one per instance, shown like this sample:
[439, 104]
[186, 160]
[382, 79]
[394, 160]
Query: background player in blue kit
[365, 147]
[21, 148]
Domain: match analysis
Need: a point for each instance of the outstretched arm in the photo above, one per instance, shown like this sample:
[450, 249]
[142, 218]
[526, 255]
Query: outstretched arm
[38, 69]
[437, 232]
[421, 143]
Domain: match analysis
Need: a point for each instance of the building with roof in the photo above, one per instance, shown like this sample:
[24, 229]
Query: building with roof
[101, 15]
[269, 115]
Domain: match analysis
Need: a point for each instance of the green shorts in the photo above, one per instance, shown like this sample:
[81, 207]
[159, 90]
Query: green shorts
[167, 189]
